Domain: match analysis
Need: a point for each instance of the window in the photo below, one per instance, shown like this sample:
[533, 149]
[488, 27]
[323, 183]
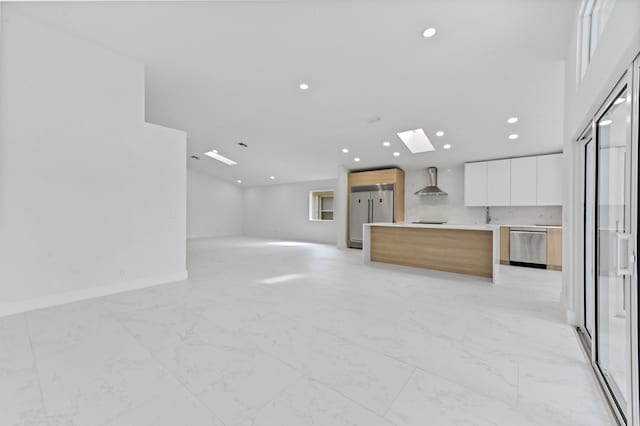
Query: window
[591, 22]
[321, 205]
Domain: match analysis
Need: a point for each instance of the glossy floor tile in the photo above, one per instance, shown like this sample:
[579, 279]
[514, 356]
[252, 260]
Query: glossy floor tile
[284, 333]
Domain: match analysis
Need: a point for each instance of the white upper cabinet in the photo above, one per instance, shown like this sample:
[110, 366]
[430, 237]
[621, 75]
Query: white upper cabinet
[475, 184]
[524, 182]
[550, 180]
[498, 183]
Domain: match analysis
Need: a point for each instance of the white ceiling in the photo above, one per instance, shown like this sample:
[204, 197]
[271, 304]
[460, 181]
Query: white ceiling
[228, 72]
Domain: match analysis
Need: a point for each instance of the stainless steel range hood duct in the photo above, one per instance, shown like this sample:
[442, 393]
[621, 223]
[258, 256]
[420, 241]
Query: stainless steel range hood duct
[432, 184]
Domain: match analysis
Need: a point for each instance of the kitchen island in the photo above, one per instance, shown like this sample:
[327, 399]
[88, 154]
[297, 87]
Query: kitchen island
[462, 249]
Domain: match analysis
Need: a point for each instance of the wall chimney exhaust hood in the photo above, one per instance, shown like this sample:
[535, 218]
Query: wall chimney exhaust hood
[432, 184]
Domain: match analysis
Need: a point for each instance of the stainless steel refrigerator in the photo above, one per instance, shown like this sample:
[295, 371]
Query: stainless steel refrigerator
[371, 203]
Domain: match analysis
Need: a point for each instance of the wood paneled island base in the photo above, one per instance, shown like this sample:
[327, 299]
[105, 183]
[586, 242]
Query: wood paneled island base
[439, 247]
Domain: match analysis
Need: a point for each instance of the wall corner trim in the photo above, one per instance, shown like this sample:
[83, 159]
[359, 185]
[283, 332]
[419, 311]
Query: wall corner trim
[573, 318]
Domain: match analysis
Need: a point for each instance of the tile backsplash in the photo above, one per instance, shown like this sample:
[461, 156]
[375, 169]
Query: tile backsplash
[541, 215]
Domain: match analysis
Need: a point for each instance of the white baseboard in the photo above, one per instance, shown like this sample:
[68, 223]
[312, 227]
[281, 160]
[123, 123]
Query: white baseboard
[204, 237]
[7, 309]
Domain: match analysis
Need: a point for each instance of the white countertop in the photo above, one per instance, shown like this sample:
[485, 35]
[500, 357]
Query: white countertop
[436, 226]
[481, 227]
[532, 226]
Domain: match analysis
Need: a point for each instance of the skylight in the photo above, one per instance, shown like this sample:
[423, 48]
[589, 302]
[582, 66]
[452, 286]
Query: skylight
[214, 154]
[416, 140]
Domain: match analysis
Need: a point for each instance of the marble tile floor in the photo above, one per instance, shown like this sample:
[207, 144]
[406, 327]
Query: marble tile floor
[282, 333]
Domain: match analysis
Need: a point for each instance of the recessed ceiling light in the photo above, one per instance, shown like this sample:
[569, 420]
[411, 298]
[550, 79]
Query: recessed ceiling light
[396, 154]
[345, 150]
[619, 101]
[356, 159]
[239, 181]
[449, 170]
[416, 140]
[446, 146]
[439, 133]
[214, 154]
[514, 136]
[304, 86]
[429, 32]
[272, 177]
[512, 120]
[605, 122]
[386, 143]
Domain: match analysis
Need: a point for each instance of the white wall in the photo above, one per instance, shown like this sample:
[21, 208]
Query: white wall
[92, 198]
[617, 47]
[340, 205]
[214, 207]
[282, 211]
[451, 208]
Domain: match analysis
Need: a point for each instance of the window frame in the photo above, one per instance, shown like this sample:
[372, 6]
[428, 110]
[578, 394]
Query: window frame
[315, 204]
[592, 19]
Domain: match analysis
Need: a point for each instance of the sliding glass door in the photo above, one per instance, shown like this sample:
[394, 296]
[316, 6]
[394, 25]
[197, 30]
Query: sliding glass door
[609, 205]
[613, 264]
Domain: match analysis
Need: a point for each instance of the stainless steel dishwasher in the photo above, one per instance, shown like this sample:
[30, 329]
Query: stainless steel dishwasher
[528, 246]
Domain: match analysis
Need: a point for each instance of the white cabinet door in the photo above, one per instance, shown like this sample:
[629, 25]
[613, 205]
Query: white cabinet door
[550, 180]
[475, 184]
[498, 183]
[524, 184]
